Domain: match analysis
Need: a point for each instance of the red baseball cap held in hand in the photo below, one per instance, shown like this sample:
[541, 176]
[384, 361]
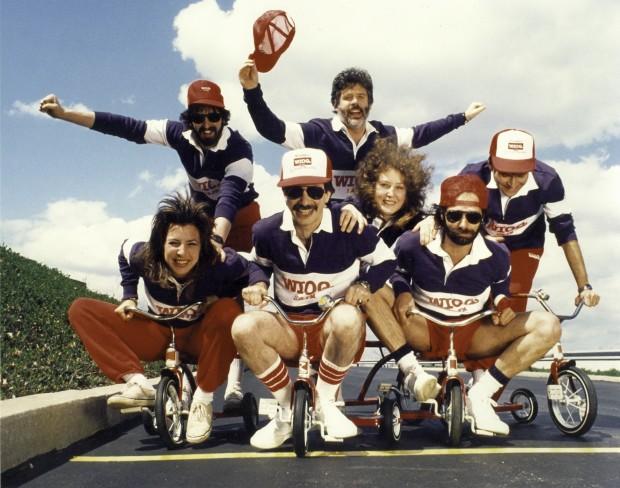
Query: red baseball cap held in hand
[305, 166]
[454, 186]
[512, 151]
[273, 33]
[204, 92]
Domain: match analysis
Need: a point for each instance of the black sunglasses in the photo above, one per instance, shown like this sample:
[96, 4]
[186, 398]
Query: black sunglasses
[197, 118]
[295, 192]
[454, 216]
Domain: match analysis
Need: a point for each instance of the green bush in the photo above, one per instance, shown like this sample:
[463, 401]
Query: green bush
[40, 351]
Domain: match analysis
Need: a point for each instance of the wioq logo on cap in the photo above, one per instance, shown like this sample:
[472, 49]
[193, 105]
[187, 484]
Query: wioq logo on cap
[302, 161]
[516, 146]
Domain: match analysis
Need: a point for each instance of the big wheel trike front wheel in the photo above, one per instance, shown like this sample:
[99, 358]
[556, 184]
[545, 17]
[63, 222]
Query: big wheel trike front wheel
[573, 406]
[170, 422]
[302, 421]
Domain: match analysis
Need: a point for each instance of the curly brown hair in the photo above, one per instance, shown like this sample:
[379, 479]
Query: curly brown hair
[177, 209]
[384, 155]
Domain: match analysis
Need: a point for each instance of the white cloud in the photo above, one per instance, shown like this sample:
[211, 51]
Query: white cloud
[130, 100]
[80, 238]
[176, 181]
[539, 67]
[145, 175]
[32, 108]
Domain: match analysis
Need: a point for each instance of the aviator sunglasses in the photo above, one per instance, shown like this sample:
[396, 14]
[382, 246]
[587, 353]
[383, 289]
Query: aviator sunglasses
[197, 118]
[295, 192]
[454, 216]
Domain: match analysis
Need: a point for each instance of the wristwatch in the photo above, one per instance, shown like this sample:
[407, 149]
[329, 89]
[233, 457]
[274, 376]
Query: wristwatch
[587, 286]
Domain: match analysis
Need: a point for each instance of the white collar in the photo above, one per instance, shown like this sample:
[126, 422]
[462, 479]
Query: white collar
[325, 225]
[338, 125]
[222, 142]
[530, 184]
[479, 250]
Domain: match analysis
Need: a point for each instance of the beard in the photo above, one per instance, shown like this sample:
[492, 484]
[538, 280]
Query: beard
[210, 140]
[357, 122]
[459, 238]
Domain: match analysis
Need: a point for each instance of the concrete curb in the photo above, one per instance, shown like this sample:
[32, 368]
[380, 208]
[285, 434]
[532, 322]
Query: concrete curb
[38, 424]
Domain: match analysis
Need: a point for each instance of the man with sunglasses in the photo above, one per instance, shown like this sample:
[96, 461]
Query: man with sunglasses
[217, 160]
[522, 192]
[460, 273]
[349, 135]
[310, 257]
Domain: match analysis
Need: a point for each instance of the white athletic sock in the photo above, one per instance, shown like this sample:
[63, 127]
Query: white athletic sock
[235, 372]
[408, 363]
[485, 387]
[203, 396]
[330, 379]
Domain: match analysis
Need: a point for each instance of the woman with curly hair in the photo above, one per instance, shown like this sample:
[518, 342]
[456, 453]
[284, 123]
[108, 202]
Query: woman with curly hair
[179, 265]
[391, 184]
[391, 187]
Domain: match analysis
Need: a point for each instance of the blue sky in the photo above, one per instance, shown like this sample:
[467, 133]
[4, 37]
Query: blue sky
[70, 196]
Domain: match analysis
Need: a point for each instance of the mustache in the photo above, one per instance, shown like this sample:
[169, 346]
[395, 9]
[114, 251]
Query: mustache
[299, 206]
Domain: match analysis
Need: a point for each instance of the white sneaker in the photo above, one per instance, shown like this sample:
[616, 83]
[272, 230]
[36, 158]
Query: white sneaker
[133, 395]
[199, 422]
[486, 421]
[274, 434]
[423, 386]
[336, 423]
[232, 401]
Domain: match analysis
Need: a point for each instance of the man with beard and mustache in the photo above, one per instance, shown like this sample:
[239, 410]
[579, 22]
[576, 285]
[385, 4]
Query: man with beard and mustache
[349, 136]
[459, 273]
[217, 160]
[310, 257]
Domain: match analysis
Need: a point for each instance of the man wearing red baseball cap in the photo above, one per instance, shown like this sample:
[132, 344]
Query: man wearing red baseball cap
[218, 162]
[349, 135]
[310, 257]
[458, 274]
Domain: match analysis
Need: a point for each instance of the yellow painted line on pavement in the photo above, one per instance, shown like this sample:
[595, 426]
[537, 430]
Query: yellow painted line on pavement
[272, 455]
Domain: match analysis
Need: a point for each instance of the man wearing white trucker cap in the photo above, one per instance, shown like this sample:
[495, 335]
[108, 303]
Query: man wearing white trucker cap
[522, 192]
[309, 257]
[217, 159]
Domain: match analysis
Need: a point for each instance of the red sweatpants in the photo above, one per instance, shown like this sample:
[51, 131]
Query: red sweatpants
[118, 346]
[524, 264]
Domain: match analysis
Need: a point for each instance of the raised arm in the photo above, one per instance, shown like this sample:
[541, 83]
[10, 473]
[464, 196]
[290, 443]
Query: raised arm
[51, 105]
[428, 132]
[266, 122]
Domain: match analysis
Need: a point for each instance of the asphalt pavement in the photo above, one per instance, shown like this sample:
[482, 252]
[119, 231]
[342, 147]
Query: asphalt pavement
[537, 454]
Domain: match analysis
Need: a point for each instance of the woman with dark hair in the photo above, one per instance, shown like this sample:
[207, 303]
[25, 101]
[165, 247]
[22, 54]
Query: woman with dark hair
[391, 184]
[179, 266]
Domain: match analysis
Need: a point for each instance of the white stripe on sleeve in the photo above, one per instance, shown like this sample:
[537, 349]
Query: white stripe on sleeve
[156, 132]
[293, 136]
